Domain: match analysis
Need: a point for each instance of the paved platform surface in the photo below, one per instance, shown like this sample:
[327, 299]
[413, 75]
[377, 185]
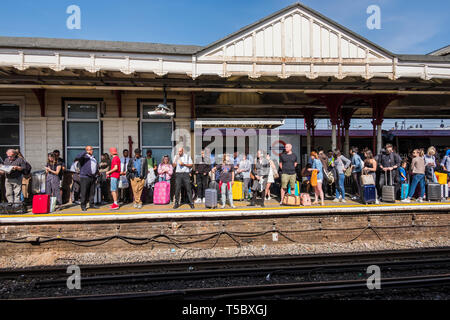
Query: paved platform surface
[73, 213]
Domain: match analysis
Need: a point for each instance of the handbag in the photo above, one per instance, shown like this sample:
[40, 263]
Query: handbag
[348, 171]
[123, 183]
[314, 178]
[330, 176]
[367, 179]
[151, 177]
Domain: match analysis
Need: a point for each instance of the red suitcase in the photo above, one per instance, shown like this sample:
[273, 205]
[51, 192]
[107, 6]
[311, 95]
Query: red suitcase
[41, 203]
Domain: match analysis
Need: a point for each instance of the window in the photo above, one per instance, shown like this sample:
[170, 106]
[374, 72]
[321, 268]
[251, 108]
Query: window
[156, 131]
[10, 128]
[82, 127]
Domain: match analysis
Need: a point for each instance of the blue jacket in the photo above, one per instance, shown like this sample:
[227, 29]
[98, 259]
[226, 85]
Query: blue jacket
[357, 163]
[85, 166]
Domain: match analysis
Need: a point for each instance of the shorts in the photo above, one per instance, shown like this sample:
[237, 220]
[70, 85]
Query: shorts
[290, 179]
[114, 184]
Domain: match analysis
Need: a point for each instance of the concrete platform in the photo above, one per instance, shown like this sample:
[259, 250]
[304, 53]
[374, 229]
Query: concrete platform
[164, 212]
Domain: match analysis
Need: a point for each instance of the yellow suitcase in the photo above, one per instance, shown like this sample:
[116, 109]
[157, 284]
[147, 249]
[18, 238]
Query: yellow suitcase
[442, 177]
[238, 190]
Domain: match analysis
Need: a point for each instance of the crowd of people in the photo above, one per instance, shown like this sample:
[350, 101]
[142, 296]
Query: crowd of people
[117, 180]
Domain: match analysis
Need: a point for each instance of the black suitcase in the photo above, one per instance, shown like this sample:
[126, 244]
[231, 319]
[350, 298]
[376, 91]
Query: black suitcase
[388, 190]
[434, 192]
[13, 208]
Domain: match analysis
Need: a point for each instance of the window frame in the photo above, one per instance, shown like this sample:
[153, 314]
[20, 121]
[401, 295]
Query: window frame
[19, 101]
[170, 120]
[79, 120]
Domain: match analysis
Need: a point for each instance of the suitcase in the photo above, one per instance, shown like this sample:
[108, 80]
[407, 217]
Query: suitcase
[441, 177]
[238, 190]
[404, 191]
[388, 191]
[444, 191]
[305, 199]
[368, 193]
[211, 198]
[52, 204]
[434, 192]
[98, 194]
[147, 195]
[41, 203]
[161, 193]
[291, 200]
[38, 181]
[297, 189]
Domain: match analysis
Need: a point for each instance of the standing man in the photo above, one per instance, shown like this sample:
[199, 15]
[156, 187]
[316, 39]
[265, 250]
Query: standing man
[88, 173]
[202, 168]
[389, 161]
[183, 166]
[13, 182]
[288, 163]
[125, 192]
[137, 172]
[114, 173]
[357, 166]
[60, 162]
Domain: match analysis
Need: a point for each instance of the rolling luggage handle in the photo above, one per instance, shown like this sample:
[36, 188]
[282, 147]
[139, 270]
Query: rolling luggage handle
[385, 178]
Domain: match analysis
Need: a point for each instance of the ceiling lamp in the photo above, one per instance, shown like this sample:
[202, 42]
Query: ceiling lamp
[162, 109]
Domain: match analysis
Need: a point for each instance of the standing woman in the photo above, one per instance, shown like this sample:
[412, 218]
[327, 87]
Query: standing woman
[165, 169]
[53, 181]
[317, 165]
[340, 164]
[430, 165]
[271, 177]
[370, 167]
[104, 167]
[418, 171]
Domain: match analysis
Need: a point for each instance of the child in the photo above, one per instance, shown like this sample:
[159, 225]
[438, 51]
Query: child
[402, 171]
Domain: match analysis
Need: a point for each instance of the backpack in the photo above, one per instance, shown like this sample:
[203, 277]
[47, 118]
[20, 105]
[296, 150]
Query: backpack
[27, 169]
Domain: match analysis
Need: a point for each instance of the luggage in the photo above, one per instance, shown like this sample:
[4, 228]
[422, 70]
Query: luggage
[434, 192]
[405, 191]
[211, 198]
[314, 178]
[238, 190]
[41, 204]
[291, 200]
[161, 193]
[305, 199]
[367, 179]
[297, 189]
[388, 190]
[441, 177]
[52, 204]
[369, 194]
[147, 195]
[444, 191]
[38, 181]
[12, 208]
[98, 194]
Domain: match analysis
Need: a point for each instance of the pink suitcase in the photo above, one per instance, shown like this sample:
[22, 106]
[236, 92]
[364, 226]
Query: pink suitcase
[161, 193]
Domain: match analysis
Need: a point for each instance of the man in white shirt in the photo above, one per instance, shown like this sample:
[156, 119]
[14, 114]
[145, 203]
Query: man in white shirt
[183, 166]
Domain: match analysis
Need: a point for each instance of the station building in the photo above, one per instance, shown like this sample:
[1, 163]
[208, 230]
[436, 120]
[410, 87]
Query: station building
[295, 63]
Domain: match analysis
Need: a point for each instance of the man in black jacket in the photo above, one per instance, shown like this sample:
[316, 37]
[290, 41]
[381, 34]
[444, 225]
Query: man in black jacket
[88, 174]
[137, 171]
[389, 162]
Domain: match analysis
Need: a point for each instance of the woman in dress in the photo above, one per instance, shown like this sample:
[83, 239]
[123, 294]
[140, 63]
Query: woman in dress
[53, 181]
[370, 167]
[317, 166]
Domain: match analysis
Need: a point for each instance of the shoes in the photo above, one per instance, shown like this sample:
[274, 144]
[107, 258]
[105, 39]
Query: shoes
[114, 206]
[83, 209]
[203, 200]
[176, 206]
[343, 200]
[336, 200]
[251, 204]
[199, 200]
[222, 206]
[233, 206]
[419, 200]
[139, 206]
[192, 206]
[94, 207]
[407, 200]
[377, 201]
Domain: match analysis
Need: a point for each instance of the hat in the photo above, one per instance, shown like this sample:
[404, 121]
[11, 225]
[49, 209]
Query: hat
[113, 150]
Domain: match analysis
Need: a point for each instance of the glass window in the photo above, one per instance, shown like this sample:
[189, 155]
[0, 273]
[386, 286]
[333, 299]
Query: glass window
[9, 127]
[156, 133]
[159, 153]
[82, 111]
[82, 134]
[82, 129]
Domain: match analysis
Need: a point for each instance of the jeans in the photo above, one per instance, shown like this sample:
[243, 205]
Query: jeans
[357, 181]
[161, 179]
[418, 178]
[246, 186]
[340, 189]
[224, 190]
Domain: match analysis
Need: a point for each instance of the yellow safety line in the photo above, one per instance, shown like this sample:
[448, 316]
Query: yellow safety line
[220, 210]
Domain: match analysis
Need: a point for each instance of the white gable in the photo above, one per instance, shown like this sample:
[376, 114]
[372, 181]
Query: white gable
[296, 34]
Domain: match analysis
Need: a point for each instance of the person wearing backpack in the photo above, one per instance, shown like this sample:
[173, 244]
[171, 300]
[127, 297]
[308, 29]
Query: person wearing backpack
[26, 178]
[357, 166]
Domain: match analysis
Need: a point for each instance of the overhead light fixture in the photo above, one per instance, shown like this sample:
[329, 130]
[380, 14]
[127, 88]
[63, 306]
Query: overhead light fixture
[162, 109]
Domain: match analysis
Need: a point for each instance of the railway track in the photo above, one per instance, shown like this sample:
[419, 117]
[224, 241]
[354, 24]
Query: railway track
[269, 290]
[266, 263]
